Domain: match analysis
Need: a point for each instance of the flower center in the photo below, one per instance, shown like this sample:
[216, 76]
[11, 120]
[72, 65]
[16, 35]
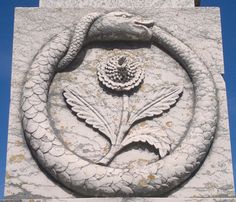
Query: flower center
[120, 69]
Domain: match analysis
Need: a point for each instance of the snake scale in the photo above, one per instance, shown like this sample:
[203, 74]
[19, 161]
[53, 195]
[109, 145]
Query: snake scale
[91, 179]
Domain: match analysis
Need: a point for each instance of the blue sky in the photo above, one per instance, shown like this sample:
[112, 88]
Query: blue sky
[228, 14]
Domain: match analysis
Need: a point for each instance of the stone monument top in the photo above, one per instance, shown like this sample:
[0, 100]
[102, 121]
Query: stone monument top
[120, 3]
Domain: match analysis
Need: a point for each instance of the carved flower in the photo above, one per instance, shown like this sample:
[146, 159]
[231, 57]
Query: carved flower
[121, 72]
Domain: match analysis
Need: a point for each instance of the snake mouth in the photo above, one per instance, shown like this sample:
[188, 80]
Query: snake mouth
[145, 23]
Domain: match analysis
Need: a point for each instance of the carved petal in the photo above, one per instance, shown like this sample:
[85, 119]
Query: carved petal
[87, 112]
[161, 101]
[161, 142]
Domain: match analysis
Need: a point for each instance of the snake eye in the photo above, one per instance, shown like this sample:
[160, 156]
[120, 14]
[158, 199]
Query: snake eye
[126, 16]
[123, 15]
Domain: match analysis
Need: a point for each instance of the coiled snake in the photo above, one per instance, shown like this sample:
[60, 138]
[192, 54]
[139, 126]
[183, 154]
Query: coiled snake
[92, 179]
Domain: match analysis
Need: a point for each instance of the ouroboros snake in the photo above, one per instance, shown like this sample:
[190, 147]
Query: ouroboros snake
[91, 179]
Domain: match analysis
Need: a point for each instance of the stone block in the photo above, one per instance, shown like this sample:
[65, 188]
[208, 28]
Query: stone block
[117, 4]
[197, 28]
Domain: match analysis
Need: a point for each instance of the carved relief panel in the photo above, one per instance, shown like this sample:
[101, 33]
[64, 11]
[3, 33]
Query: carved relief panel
[117, 93]
[117, 105]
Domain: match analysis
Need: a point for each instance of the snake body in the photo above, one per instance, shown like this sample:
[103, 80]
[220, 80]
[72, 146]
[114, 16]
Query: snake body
[91, 179]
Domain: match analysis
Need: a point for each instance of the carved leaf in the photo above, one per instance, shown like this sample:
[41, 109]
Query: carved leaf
[161, 142]
[161, 101]
[87, 112]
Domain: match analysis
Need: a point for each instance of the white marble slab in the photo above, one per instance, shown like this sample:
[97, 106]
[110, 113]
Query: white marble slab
[198, 28]
[111, 4]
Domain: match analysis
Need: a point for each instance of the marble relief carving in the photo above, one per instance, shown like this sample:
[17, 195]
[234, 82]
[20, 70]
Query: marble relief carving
[120, 74]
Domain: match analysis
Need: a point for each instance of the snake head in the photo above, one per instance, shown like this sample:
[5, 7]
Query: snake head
[121, 26]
